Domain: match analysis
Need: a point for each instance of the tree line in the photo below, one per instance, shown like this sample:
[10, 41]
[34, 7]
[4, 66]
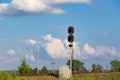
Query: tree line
[77, 66]
[25, 68]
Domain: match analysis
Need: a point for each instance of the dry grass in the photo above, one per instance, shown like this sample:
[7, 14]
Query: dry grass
[82, 76]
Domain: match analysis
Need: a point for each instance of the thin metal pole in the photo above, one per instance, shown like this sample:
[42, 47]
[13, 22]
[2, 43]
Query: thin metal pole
[38, 59]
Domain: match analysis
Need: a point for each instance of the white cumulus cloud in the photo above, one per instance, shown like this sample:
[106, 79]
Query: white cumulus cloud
[31, 41]
[100, 50]
[104, 50]
[89, 49]
[55, 47]
[66, 1]
[76, 49]
[11, 52]
[25, 7]
[29, 6]
[30, 56]
[58, 48]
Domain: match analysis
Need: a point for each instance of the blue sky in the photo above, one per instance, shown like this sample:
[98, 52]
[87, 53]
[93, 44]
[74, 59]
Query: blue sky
[24, 25]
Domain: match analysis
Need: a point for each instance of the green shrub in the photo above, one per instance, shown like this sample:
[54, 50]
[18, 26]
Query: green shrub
[6, 76]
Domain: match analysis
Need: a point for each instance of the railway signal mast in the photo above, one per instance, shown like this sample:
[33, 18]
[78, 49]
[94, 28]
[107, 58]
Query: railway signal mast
[70, 40]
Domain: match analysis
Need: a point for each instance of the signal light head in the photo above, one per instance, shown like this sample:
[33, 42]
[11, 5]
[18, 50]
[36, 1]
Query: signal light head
[70, 38]
[71, 30]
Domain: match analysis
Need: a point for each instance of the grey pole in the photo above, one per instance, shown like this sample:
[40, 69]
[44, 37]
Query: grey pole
[38, 59]
[71, 56]
[71, 60]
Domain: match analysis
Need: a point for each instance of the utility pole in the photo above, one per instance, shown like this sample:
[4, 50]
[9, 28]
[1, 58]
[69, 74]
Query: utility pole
[53, 64]
[38, 57]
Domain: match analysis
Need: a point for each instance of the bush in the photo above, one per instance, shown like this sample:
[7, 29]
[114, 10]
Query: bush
[14, 74]
[6, 76]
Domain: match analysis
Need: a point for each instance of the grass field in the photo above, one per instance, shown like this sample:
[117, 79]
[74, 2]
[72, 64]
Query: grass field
[82, 76]
[36, 78]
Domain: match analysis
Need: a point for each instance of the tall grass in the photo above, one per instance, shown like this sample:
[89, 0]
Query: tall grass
[97, 76]
[37, 78]
[82, 76]
[6, 76]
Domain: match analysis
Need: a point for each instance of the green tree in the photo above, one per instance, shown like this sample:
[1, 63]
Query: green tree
[115, 65]
[99, 68]
[96, 68]
[44, 70]
[76, 65]
[35, 70]
[24, 67]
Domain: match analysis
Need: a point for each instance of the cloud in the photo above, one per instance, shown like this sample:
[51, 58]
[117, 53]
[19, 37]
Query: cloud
[31, 42]
[66, 1]
[106, 51]
[33, 45]
[58, 48]
[89, 49]
[55, 47]
[32, 7]
[76, 49]
[11, 52]
[30, 56]
[99, 50]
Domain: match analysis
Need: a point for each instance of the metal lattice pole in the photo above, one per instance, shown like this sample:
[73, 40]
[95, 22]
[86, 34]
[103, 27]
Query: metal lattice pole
[53, 65]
